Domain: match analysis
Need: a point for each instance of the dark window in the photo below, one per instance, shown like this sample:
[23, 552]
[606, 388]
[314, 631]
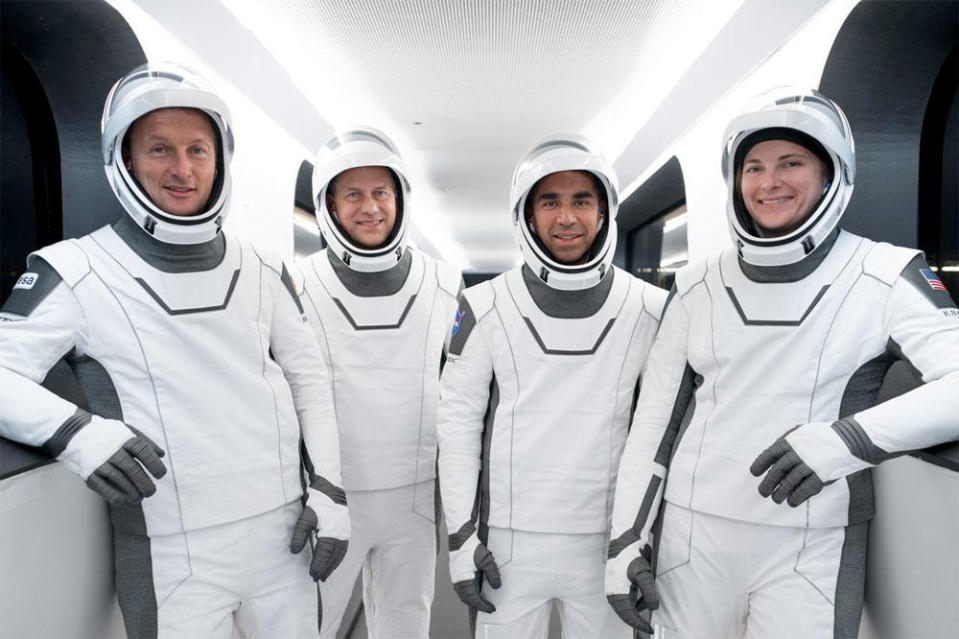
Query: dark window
[939, 177]
[657, 249]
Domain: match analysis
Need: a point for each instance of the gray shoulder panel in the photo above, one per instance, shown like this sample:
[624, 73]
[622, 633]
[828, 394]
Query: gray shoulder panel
[463, 325]
[925, 280]
[32, 288]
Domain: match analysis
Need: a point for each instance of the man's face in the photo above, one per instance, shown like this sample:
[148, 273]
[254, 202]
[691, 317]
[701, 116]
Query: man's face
[364, 203]
[172, 153]
[565, 214]
[781, 182]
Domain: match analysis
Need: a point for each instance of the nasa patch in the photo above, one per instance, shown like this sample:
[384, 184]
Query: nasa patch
[458, 321]
[26, 281]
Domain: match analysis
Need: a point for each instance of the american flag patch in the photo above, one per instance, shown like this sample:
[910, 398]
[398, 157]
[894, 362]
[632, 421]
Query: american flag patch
[932, 280]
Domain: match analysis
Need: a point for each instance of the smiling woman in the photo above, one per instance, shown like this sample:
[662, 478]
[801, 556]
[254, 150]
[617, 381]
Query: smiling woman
[781, 183]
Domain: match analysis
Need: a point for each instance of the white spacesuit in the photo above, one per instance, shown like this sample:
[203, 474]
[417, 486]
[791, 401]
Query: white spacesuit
[783, 337]
[536, 397]
[170, 325]
[382, 318]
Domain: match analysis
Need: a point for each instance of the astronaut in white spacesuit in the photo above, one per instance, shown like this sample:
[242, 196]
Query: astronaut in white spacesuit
[169, 325]
[381, 311]
[769, 360]
[535, 402]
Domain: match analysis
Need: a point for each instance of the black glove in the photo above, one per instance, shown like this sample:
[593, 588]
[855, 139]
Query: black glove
[121, 479]
[469, 590]
[642, 595]
[328, 552]
[788, 477]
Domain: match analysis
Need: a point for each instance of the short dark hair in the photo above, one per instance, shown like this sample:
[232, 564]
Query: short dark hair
[795, 136]
[598, 185]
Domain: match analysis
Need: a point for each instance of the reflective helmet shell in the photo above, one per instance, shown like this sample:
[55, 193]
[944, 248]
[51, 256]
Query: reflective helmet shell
[147, 88]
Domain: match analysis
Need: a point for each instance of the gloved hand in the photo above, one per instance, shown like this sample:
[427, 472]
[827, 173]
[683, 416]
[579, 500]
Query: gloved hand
[332, 527]
[109, 455]
[788, 477]
[629, 585]
[812, 456]
[470, 563]
[121, 479]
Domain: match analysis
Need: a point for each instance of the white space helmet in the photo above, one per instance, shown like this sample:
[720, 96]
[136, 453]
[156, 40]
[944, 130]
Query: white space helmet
[552, 155]
[810, 119]
[147, 88]
[362, 146]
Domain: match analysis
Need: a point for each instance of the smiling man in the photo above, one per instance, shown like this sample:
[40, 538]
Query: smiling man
[199, 372]
[172, 153]
[381, 312]
[768, 363]
[363, 201]
[566, 210]
[536, 396]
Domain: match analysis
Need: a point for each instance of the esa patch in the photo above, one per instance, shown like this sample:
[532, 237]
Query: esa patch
[26, 281]
[458, 321]
[31, 289]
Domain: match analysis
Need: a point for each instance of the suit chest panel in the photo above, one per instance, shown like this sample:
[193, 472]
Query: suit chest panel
[561, 365]
[136, 312]
[389, 331]
[765, 346]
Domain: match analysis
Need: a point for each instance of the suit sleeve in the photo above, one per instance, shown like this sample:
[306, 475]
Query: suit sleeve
[922, 325]
[665, 395]
[296, 350]
[464, 398]
[38, 326]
